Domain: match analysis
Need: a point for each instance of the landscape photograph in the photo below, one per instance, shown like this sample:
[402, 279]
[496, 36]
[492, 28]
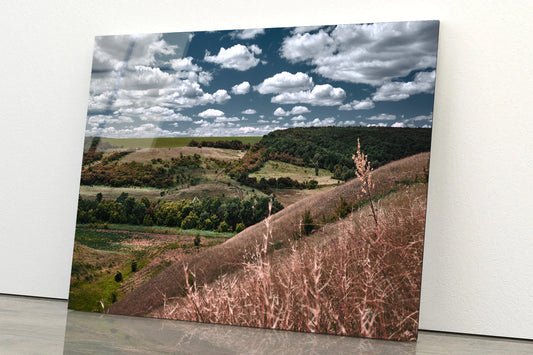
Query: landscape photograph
[273, 178]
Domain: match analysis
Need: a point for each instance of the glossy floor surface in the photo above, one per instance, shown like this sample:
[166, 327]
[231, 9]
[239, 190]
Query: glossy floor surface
[41, 326]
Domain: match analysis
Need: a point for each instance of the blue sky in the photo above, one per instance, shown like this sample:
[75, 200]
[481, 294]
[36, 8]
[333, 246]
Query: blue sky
[250, 82]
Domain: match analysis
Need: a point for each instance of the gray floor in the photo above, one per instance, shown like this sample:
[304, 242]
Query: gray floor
[42, 326]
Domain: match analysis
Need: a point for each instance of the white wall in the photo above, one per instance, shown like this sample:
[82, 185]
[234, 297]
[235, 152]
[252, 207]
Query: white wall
[478, 271]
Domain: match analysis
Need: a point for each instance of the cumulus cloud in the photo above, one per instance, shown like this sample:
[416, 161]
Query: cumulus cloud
[147, 130]
[380, 124]
[321, 95]
[382, 117]
[280, 112]
[186, 69]
[299, 118]
[221, 96]
[102, 120]
[365, 104]
[347, 123]
[317, 122]
[285, 82]
[370, 54]
[218, 129]
[211, 113]
[226, 119]
[305, 29]
[238, 57]
[241, 89]
[249, 111]
[113, 52]
[153, 114]
[296, 110]
[424, 82]
[423, 121]
[248, 33]
[184, 64]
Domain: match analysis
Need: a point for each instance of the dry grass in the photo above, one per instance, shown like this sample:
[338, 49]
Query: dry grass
[227, 258]
[351, 280]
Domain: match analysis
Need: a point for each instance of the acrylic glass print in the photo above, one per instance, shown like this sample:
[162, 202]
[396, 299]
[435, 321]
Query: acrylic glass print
[270, 178]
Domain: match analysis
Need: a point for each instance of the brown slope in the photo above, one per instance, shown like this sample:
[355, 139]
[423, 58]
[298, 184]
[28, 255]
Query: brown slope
[224, 258]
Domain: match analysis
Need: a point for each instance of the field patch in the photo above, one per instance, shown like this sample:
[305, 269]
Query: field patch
[166, 142]
[277, 169]
[147, 154]
[136, 253]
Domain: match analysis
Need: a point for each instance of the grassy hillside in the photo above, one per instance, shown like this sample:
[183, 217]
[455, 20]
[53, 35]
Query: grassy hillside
[347, 278]
[284, 227]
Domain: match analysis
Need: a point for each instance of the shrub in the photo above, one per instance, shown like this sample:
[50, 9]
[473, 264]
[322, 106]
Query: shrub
[197, 240]
[307, 223]
[118, 277]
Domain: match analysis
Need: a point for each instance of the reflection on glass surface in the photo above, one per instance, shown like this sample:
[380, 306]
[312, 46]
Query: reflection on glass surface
[112, 334]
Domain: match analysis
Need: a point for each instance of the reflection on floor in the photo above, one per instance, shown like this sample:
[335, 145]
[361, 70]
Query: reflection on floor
[41, 326]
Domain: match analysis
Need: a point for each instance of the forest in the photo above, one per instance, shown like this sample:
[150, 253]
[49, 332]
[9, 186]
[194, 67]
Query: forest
[331, 148]
[211, 213]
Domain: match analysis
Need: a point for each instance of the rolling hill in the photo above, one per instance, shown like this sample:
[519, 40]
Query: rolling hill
[285, 226]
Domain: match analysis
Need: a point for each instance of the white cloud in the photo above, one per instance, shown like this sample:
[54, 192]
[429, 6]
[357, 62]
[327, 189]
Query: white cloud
[321, 95]
[306, 46]
[304, 29]
[285, 82]
[280, 112]
[398, 125]
[147, 130]
[382, 117]
[241, 89]
[347, 123]
[263, 121]
[218, 129]
[380, 124]
[418, 121]
[184, 64]
[226, 119]
[370, 54]
[211, 113]
[153, 114]
[238, 57]
[248, 33]
[249, 111]
[298, 110]
[365, 104]
[185, 69]
[299, 118]
[221, 96]
[101, 120]
[113, 52]
[424, 82]
[317, 122]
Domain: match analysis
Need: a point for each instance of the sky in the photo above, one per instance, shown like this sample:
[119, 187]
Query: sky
[254, 81]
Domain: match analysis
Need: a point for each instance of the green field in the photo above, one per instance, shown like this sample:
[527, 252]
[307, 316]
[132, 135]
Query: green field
[102, 251]
[278, 169]
[167, 142]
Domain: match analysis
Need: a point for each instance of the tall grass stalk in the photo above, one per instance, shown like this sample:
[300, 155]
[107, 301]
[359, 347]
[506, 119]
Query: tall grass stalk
[363, 171]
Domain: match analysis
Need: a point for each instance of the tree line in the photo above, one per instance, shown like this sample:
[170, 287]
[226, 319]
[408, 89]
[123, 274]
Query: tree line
[211, 213]
[233, 144]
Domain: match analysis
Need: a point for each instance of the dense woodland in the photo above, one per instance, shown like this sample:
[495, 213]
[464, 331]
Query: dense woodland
[215, 214]
[331, 148]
